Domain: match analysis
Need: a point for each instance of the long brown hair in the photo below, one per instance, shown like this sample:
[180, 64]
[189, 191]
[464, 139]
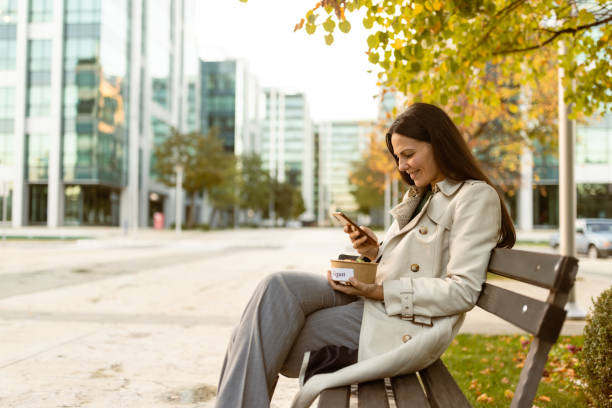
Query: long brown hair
[430, 124]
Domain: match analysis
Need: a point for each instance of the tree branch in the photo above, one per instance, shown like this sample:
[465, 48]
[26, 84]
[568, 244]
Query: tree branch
[552, 37]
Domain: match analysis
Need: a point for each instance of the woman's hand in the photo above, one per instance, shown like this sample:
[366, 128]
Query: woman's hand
[357, 288]
[361, 243]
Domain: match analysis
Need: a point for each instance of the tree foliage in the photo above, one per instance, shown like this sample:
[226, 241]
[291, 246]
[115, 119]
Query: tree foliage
[205, 164]
[288, 201]
[367, 176]
[255, 184]
[480, 51]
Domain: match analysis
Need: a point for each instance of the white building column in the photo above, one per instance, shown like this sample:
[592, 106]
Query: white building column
[525, 196]
[55, 192]
[130, 199]
[19, 183]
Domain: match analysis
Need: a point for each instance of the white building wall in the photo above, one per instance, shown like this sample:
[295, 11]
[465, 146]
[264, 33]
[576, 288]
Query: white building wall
[20, 198]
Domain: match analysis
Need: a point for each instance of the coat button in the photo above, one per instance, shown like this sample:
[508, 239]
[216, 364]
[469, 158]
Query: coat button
[406, 337]
[423, 230]
[414, 267]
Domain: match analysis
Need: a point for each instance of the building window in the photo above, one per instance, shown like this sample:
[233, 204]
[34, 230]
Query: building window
[39, 78]
[8, 43]
[9, 11]
[82, 11]
[41, 11]
[7, 123]
[37, 148]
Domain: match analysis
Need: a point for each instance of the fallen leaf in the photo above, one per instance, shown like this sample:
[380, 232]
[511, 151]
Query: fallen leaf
[544, 398]
[482, 397]
[508, 394]
[505, 380]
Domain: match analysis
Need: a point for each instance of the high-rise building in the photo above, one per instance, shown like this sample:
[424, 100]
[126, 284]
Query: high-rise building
[87, 89]
[341, 143]
[232, 102]
[538, 198]
[288, 144]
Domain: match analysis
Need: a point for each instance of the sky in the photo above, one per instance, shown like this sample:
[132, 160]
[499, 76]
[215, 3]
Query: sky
[334, 78]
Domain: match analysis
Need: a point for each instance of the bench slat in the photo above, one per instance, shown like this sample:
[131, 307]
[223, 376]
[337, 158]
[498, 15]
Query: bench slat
[335, 397]
[408, 392]
[372, 394]
[534, 316]
[442, 390]
[544, 270]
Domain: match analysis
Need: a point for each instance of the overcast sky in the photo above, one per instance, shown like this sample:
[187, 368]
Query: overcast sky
[334, 78]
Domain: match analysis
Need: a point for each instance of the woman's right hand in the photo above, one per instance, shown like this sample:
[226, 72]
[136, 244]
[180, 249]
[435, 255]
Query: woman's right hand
[361, 243]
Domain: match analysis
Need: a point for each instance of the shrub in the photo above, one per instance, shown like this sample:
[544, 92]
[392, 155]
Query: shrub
[596, 355]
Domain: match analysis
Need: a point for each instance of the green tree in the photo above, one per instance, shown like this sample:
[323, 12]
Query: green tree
[288, 201]
[225, 197]
[204, 162]
[255, 184]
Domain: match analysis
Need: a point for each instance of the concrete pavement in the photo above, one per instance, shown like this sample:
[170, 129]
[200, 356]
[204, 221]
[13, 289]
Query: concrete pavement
[143, 320]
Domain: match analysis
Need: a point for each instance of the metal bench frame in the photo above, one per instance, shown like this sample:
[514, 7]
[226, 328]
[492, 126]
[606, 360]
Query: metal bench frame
[435, 387]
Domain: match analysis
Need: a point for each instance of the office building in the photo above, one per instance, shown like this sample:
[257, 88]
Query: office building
[340, 145]
[287, 148]
[232, 102]
[87, 89]
[538, 205]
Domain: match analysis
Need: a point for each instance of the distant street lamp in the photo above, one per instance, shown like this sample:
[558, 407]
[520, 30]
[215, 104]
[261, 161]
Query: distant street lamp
[567, 190]
[179, 198]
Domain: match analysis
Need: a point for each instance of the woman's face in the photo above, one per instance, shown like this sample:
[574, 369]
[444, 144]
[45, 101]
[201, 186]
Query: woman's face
[416, 158]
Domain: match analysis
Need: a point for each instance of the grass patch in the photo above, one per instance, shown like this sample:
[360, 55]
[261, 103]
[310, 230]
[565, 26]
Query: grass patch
[42, 238]
[487, 370]
[533, 243]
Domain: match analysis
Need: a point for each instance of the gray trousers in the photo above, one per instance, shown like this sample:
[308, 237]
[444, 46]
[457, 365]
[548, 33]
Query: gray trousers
[289, 313]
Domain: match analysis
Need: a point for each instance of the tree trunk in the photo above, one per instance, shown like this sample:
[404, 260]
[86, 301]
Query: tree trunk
[191, 210]
[213, 212]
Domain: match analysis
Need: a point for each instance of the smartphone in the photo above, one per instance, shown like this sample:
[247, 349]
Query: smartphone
[340, 216]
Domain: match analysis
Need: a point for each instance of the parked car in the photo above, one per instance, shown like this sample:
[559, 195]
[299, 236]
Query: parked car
[593, 237]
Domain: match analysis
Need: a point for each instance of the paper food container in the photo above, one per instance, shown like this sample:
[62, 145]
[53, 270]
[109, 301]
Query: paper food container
[362, 271]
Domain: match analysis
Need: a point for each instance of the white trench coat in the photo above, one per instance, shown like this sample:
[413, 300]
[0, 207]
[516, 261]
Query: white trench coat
[432, 270]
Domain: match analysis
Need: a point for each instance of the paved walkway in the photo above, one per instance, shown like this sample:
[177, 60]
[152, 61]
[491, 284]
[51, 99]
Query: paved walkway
[143, 320]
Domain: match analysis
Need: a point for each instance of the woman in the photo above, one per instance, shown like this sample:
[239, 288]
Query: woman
[432, 264]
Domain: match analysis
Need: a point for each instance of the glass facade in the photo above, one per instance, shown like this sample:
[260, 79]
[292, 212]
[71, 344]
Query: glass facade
[159, 51]
[37, 154]
[41, 11]
[218, 100]
[38, 102]
[294, 138]
[8, 34]
[594, 142]
[161, 131]
[94, 141]
[7, 124]
[91, 205]
[37, 213]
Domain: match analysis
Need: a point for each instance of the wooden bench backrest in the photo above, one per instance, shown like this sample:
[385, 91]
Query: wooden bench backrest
[543, 319]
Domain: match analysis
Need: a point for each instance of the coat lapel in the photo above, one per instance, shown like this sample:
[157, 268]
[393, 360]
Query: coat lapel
[404, 211]
[415, 220]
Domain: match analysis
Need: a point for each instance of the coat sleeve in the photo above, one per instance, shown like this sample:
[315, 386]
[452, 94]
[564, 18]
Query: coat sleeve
[473, 234]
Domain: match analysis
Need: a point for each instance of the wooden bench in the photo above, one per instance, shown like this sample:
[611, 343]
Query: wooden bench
[435, 387]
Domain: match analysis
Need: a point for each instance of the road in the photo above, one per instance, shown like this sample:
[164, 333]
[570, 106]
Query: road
[143, 320]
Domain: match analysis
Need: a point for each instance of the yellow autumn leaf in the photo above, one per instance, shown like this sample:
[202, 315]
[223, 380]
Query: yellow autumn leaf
[398, 43]
[482, 397]
[508, 394]
[437, 5]
[544, 398]
[418, 8]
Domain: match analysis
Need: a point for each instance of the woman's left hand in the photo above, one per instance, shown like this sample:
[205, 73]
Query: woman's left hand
[357, 288]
